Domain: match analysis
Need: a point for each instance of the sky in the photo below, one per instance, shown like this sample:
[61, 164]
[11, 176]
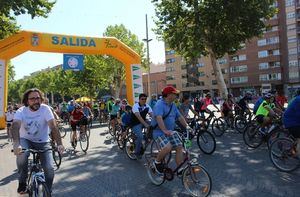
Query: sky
[87, 18]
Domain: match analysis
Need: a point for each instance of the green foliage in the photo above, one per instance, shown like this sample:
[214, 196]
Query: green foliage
[194, 27]
[11, 8]
[11, 72]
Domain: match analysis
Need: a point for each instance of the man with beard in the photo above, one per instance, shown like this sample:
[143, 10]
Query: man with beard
[30, 129]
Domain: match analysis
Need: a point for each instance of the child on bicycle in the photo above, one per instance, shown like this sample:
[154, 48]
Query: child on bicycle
[126, 120]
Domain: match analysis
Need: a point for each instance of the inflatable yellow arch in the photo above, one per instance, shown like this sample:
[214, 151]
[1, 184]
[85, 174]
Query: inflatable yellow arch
[44, 42]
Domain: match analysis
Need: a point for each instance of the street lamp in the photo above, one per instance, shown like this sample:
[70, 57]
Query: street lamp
[147, 40]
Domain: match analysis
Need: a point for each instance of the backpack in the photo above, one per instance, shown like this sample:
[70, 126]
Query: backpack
[257, 104]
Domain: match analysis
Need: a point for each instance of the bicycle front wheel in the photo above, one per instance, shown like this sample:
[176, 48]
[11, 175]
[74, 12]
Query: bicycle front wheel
[218, 127]
[63, 131]
[130, 147]
[56, 157]
[240, 123]
[283, 154]
[206, 142]
[40, 189]
[252, 137]
[84, 141]
[196, 180]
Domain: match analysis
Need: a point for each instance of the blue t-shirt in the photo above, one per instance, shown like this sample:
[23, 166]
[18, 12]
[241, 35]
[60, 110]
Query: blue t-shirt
[126, 118]
[115, 109]
[71, 107]
[161, 109]
[291, 116]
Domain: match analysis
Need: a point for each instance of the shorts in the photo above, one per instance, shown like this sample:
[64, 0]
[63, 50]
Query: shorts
[164, 140]
[112, 117]
[260, 118]
[295, 131]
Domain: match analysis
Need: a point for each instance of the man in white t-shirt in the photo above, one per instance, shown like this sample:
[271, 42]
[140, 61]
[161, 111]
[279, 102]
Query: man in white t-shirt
[138, 121]
[31, 127]
[9, 116]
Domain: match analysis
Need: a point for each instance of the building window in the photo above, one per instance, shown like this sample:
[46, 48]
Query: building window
[200, 65]
[293, 63]
[201, 74]
[261, 42]
[214, 82]
[275, 52]
[170, 77]
[222, 61]
[289, 3]
[291, 27]
[292, 51]
[238, 69]
[224, 70]
[269, 77]
[170, 52]
[290, 15]
[292, 39]
[274, 64]
[238, 58]
[294, 75]
[263, 65]
[273, 40]
[170, 69]
[262, 54]
[236, 80]
[171, 60]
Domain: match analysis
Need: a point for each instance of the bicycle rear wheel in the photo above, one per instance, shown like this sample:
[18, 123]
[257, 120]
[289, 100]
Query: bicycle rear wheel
[218, 127]
[275, 134]
[196, 180]
[84, 141]
[155, 177]
[39, 189]
[283, 155]
[206, 142]
[130, 147]
[252, 137]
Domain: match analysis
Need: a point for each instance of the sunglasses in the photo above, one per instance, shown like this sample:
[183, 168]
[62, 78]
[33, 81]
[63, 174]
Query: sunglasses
[34, 98]
[143, 99]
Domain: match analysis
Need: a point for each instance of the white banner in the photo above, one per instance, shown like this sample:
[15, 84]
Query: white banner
[2, 88]
[137, 81]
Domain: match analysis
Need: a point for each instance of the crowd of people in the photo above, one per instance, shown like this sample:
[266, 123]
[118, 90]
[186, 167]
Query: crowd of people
[30, 125]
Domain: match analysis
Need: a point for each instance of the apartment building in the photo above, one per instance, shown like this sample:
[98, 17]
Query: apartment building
[264, 63]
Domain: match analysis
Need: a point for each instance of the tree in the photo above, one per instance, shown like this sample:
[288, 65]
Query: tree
[11, 72]
[210, 27]
[115, 69]
[9, 9]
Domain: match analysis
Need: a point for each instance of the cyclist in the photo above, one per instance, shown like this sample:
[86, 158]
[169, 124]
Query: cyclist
[138, 121]
[265, 113]
[64, 111]
[109, 104]
[95, 109]
[71, 106]
[9, 116]
[291, 120]
[115, 114]
[87, 113]
[126, 120]
[77, 119]
[31, 127]
[205, 103]
[227, 109]
[184, 109]
[244, 103]
[165, 113]
[153, 101]
[102, 109]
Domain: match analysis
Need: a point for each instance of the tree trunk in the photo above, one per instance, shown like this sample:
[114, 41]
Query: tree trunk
[52, 98]
[218, 73]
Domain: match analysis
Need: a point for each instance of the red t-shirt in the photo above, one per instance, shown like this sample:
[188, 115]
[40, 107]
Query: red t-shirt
[77, 115]
[281, 100]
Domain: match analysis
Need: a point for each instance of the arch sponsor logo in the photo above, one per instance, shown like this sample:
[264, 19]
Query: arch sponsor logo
[73, 41]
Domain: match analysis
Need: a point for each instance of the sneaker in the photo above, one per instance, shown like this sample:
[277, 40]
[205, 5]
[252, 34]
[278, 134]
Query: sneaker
[22, 189]
[159, 167]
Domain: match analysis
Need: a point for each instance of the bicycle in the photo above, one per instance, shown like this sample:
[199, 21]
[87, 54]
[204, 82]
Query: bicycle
[242, 120]
[254, 138]
[192, 173]
[217, 125]
[82, 137]
[55, 154]
[61, 129]
[36, 183]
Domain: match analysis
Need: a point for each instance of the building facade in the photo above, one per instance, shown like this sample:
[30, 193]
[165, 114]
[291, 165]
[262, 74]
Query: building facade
[269, 62]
